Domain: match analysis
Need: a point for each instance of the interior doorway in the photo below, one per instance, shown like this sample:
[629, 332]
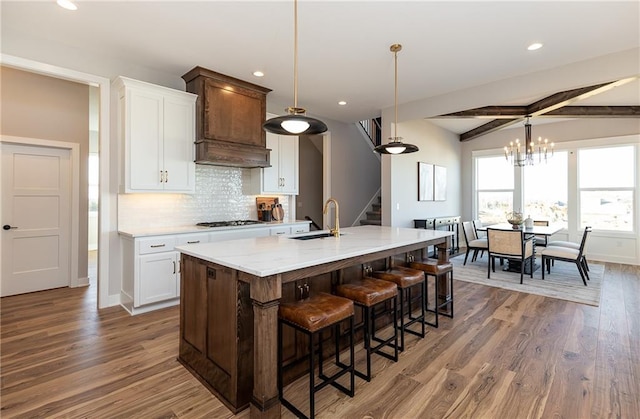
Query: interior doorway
[107, 217]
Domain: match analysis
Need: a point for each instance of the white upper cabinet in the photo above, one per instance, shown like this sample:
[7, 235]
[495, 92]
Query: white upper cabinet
[282, 177]
[156, 126]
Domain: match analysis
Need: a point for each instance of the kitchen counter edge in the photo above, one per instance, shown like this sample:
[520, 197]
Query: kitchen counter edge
[189, 229]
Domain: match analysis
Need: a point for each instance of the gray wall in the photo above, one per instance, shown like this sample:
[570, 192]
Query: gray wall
[355, 170]
[36, 106]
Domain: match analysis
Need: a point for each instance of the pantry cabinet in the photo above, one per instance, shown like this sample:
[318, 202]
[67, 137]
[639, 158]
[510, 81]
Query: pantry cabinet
[156, 126]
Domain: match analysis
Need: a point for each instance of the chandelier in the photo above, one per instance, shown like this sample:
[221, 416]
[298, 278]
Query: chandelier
[521, 155]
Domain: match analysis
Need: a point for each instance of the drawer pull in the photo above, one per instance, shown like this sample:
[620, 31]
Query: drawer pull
[157, 245]
[193, 242]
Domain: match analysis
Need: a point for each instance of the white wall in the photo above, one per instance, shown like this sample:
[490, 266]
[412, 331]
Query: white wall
[400, 174]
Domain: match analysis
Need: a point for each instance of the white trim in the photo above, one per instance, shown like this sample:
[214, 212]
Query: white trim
[74, 150]
[326, 172]
[107, 221]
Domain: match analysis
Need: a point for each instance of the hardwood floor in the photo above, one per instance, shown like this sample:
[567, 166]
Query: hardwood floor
[505, 355]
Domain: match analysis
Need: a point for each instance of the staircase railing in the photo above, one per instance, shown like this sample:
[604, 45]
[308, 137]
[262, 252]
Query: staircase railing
[373, 128]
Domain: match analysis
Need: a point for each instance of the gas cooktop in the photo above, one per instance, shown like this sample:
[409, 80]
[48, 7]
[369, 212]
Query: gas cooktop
[228, 223]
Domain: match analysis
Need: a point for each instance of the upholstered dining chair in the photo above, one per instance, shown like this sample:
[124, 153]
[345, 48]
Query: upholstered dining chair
[568, 254]
[511, 245]
[480, 234]
[541, 240]
[473, 242]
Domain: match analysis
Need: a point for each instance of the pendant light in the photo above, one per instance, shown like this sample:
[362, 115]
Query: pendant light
[295, 122]
[395, 145]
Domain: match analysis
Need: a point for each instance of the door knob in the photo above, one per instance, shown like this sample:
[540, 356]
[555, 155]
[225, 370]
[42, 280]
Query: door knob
[8, 227]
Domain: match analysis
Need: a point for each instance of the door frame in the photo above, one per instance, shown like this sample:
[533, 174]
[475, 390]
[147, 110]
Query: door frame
[107, 212]
[74, 150]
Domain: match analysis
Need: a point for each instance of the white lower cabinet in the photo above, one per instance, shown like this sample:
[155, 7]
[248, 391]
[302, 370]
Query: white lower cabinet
[151, 265]
[151, 271]
[276, 231]
[300, 228]
[158, 278]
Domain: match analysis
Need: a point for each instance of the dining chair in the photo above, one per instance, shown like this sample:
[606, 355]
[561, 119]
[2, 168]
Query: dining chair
[480, 234]
[511, 245]
[473, 242]
[541, 240]
[567, 254]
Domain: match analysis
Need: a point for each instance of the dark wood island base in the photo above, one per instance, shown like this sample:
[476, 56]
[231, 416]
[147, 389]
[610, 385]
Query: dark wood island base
[228, 321]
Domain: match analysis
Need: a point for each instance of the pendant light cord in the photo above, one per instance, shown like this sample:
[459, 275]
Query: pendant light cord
[295, 54]
[395, 127]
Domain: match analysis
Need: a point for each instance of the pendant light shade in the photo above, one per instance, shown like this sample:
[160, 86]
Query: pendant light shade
[395, 144]
[295, 122]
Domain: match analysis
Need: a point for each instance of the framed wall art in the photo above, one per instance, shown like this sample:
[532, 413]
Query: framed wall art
[425, 181]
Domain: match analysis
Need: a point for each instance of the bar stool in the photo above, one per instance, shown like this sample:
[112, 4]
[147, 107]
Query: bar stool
[434, 268]
[312, 316]
[367, 293]
[406, 279]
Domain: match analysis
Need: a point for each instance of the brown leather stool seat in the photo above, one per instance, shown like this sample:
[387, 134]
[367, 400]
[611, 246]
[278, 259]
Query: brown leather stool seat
[434, 268]
[367, 293]
[406, 279]
[312, 316]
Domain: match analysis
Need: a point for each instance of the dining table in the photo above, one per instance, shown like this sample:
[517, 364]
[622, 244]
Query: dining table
[536, 230]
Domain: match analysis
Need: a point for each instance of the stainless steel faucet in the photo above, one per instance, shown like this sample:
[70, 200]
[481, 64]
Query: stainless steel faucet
[336, 229]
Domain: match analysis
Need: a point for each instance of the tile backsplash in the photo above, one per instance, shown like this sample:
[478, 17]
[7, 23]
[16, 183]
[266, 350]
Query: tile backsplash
[218, 197]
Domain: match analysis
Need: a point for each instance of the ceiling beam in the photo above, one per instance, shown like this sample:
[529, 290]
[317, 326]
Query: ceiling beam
[556, 105]
[595, 112]
[509, 112]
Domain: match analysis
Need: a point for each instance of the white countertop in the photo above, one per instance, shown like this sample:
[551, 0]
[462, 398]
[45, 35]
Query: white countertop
[186, 229]
[264, 256]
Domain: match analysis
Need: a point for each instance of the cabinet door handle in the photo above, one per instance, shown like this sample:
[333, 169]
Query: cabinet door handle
[193, 242]
[157, 245]
[166, 176]
[161, 176]
[174, 267]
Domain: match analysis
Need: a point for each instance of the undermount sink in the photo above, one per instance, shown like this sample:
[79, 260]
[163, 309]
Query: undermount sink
[313, 236]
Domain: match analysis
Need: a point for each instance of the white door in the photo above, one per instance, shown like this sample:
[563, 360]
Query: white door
[36, 196]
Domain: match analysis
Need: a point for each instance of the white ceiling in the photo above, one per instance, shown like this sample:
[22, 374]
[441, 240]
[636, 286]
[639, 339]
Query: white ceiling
[343, 46]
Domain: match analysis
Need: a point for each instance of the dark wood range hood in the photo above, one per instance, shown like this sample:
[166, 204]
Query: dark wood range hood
[229, 117]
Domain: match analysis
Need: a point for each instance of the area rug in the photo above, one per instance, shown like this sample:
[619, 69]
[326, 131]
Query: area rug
[563, 283]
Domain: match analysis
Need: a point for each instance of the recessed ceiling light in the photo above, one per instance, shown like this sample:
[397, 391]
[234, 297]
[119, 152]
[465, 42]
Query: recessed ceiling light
[342, 103]
[534, 46]
[258, 73]
[67, 4]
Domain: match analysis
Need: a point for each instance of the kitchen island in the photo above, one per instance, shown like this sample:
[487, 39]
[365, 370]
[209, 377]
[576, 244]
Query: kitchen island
[230, 293]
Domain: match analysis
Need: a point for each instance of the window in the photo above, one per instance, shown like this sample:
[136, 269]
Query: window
[606, 179]
[546, 190]
[494, 188]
